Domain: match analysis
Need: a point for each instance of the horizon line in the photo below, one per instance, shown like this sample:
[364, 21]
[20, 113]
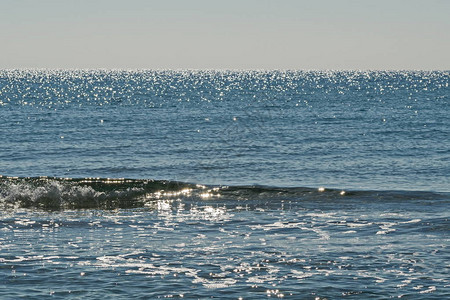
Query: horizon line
[226, 69]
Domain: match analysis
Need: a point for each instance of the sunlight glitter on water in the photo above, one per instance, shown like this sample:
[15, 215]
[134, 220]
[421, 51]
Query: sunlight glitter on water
[214, 248]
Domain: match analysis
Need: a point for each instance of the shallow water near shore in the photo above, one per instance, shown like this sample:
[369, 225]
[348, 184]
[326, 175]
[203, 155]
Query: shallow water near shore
[223, 248]
[224, 184]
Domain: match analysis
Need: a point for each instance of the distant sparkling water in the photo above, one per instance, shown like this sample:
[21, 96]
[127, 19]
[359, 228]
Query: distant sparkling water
[224, 184]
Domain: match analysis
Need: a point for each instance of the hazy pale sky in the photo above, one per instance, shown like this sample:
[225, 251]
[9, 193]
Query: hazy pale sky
[231, 34]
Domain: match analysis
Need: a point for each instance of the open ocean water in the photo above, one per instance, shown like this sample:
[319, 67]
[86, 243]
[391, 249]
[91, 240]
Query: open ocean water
[224, 184]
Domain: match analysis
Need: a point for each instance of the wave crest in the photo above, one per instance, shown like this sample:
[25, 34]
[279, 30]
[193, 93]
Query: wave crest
[53, 193]
[59, 193]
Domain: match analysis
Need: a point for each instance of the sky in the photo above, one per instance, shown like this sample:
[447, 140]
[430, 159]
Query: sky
[231, 34]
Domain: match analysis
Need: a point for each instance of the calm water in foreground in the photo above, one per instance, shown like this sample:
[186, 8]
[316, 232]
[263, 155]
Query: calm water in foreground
[249, 184]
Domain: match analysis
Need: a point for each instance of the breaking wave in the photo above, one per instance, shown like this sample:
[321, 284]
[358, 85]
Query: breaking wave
[105, 193]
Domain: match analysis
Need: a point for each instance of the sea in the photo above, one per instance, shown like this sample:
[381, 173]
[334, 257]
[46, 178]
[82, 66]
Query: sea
[224, 184]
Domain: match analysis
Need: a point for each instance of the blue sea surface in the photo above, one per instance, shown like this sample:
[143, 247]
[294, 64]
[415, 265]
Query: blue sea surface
[224, 184]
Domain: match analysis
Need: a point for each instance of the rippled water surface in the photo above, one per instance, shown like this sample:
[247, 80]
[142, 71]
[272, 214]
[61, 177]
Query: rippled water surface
[224, 184]
[362, 130]
[196, 248]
